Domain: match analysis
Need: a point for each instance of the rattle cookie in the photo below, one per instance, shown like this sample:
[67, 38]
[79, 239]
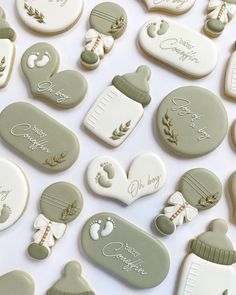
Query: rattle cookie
[199, 189]
[7, 49]
[72, 282]
[125, 250]
[208, 269]
[180, 47]
[49, 16]
[108, 22]
[60, 204]
[64, 89]
[220, 14]
[170, 6]
[147, 175]
[230, 76]
[120, 107]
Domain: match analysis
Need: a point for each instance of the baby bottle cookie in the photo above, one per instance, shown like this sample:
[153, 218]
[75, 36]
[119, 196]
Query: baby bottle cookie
[120, 107]
[170, 6]
[7, 49]
[199, 189]
[208, 269]
[60, 204]
[64, 89]
[72, 282]
[220, 12]
[108, 22]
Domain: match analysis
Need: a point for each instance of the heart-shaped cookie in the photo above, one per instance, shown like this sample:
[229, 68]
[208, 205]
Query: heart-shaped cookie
[106, 177]
[64, 89]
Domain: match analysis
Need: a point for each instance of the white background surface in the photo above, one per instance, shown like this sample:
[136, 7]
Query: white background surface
[125, 57]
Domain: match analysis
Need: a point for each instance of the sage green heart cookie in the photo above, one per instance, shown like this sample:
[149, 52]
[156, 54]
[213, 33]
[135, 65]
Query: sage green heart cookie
[38, 137]
[64, 89]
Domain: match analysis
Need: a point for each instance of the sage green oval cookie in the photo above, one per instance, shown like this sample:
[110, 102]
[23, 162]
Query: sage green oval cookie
[232, 192]
[108, 18]
[38, 137]
[191, 121]
[125, 250]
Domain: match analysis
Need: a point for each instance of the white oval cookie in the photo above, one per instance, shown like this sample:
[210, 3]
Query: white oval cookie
[49, 16]
[179, 47]
[14, 193]
[171, 6]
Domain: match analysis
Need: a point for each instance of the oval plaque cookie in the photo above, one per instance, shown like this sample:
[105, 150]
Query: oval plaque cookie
[179, 47]
[38, 137]
[125, 250]
[170, 6]
[191, 121]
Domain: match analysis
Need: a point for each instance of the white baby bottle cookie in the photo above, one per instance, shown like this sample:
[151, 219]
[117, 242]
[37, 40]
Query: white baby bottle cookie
[120, 107]
[170, 6]
[208, 269]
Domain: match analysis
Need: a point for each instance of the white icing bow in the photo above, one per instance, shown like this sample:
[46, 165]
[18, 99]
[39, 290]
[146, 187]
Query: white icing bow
[215, 6]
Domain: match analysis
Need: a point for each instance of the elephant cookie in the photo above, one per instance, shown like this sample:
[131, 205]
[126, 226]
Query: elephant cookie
[147, 175]
[108, 22]
[199, 189]
[64, 89]
[7, 49]
[170, 6]
[120, 107]
[60, 203]
[125, 250]
[14, 193]
[49, 16]
[72, 282]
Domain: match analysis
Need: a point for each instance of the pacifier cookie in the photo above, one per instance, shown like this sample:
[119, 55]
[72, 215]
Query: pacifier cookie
[14, 193]
[38, 137]
[60, 204]
[180, 47]
[199, 189]
[120, 107]
[170, 6]
[191, 121]
[147, 175]
[108, 22]
[49, 16]
[208, 269]
[64, 89]
[125, 250]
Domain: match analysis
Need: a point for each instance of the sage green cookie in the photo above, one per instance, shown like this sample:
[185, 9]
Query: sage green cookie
[201, 188]
[191, 121]
[125, 250]
[38, 137]
[6, 32]
[108, 18]
[64, 89]
[232, 192]
[16, 283]
[72, 282]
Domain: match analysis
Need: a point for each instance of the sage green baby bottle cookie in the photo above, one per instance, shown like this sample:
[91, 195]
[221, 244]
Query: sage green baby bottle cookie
[72, 282]
[60, 203]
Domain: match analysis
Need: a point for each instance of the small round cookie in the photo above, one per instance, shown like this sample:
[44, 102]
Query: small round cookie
[49, 16]
[191, 121]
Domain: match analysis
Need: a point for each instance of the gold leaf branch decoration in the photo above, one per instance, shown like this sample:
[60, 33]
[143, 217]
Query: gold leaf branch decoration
[117, 25]
[35, 14]
[69, 211]
[121, 131]
[168, 129]
[209, 201]
[56, 160]
[2, 66]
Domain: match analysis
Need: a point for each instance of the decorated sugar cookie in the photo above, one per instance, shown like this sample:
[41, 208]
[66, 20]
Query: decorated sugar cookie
[199, 189]
[38, 137]
[72, 282]
[125, 250]
[7, 49]
[191, 121]
[171, 6]
[208, 269]
[64, 89]
[120, 107]
[180, 47]
[220, 12]
[49, 16]
[60, 204]
[232, 192]
[147, 174]
[230, 76]
[16, 283]
[108, 22]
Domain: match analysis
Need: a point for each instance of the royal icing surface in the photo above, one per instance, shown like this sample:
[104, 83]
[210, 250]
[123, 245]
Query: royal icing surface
[173, 6]
[230, 76]
[232, 192]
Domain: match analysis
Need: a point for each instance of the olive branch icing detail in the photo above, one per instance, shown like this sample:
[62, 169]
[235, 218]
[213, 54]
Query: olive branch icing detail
[168, 129]
[121, 131]
[210, 200]
[56, 160]
[119, 23]
[35, 13]
[2, 66]
[69, 211]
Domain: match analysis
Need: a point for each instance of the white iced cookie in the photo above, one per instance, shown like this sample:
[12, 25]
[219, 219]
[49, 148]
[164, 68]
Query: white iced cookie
[230, 76]
[106, 177]
[179, 47]
[14, 193]
[49, 16]
[171, 6]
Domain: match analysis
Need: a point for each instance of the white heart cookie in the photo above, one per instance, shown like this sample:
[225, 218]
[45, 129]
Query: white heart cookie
[7, 56]
[147, 174]
[172, 6]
